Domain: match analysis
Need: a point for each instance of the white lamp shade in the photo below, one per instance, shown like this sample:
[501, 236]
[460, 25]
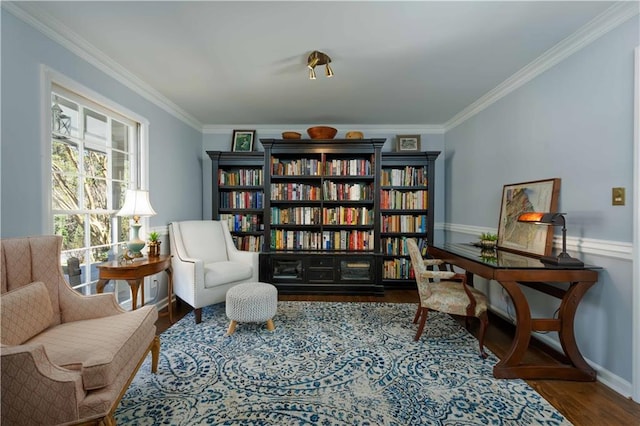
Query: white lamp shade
[136, 204]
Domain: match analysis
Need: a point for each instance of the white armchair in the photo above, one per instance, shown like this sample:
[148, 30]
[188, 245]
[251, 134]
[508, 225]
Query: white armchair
[206, 262]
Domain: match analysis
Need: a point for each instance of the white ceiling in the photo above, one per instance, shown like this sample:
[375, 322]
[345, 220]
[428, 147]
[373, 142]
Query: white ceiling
[395, 63]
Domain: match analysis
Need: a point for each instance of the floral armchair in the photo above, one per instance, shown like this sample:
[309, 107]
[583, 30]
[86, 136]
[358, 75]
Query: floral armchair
[65, 358]
[445, 291]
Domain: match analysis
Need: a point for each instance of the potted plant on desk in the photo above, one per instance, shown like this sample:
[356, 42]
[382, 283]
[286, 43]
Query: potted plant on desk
[488, 240]
[154, 244]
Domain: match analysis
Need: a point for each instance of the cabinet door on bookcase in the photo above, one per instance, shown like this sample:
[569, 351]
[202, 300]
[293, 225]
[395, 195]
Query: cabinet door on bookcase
[406, 211]
[238, 196]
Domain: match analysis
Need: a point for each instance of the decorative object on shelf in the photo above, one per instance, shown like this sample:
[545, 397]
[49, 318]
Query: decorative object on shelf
[322, 132]
[354, 135]
[488, 240]
[518, 198]
[291, 135]
[243, 140]
[136, 205]
[553, 219]
[318, 58]
[154, 244]
[408, 143]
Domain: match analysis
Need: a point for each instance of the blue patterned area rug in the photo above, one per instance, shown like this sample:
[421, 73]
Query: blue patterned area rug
[327, 364]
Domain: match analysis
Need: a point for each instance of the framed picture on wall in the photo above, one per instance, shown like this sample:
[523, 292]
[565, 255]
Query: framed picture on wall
[518, 198]
[243, 140]
[408, 143]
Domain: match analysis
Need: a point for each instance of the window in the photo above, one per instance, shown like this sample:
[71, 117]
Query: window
[94, 159]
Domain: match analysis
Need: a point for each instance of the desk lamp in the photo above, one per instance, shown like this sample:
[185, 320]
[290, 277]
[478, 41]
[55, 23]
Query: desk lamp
[553, 219]
[136, 205]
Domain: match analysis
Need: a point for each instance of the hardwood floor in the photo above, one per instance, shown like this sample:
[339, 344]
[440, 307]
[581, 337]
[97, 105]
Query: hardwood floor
[584, 404]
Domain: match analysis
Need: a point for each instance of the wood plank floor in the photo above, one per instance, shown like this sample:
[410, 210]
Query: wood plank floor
[584, 404]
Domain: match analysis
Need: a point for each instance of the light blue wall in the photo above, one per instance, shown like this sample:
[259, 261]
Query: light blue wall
[574, 122]
[174, 148]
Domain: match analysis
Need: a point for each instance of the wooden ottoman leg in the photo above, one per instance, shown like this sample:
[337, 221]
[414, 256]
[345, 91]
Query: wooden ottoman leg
[232, 327]
[270, 325]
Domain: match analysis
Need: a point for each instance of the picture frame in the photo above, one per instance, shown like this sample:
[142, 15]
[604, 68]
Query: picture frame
[518, 198]
[408, 142]
[243, 140]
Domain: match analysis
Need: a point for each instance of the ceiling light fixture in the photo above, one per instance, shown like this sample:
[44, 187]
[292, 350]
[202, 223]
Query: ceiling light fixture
[318, 58]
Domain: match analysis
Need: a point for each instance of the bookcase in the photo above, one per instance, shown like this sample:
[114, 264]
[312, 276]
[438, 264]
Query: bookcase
[406, 203]
[328, 216]
[238, 196]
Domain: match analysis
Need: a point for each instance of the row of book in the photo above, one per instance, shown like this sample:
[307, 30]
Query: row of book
[249, 242]
[397, 246]
[296, 167]
[393, 199]
[397, 269]
[404, 223]
[240, 177]
[316, 216]
[326, 240]
[348, 167]
[242, 222]
[408, 176]
[241, 200]
[296, 215]
[347, 191]
[295, 191]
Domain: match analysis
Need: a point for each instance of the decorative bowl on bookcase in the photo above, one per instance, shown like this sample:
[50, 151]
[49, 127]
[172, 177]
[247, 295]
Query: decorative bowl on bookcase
[322, 132]
[291, 135]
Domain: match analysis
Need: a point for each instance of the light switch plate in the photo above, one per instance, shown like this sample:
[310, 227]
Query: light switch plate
[617, 197]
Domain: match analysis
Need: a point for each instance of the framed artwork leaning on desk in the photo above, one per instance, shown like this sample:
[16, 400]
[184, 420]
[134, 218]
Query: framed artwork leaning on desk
[517, 198]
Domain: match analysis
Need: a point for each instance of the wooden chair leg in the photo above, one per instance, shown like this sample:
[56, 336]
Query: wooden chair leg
[484, 322]
[155, 354]
[198, 313]
[417, 316]
[423, 320]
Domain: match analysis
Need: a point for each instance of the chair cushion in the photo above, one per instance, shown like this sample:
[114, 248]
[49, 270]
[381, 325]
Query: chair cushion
[219, 273]
[26, 312]
[99, 348]
[204, 240]
[450, 297]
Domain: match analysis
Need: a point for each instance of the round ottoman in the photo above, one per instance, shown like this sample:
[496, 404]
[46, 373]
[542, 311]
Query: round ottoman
[251, 302]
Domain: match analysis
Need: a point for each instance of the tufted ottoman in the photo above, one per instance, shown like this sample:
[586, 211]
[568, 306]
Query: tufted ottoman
[251, 302]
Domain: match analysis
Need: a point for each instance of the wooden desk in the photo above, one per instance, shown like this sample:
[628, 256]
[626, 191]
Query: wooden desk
[511, 271]
[134, 272]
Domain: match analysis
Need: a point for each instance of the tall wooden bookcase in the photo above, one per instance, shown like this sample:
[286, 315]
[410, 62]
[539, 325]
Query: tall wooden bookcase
[334, 215]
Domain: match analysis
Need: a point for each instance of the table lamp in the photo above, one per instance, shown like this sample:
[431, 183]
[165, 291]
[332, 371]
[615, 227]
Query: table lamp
[553, 219]
[136, 205]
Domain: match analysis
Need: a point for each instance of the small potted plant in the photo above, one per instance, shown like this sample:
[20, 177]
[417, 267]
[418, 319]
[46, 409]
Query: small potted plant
[154, 244]
[488, 240]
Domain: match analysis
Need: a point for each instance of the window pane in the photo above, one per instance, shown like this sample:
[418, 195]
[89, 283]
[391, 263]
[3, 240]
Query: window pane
[64, 192]
[95, 126]
[99, 255]
[65, 121]
[100, 226]
[120, 166]
[118, 192]
[120, 136]
[95, 194]
[124, 228]
[64, 156]
[71, 228]
[95, 163]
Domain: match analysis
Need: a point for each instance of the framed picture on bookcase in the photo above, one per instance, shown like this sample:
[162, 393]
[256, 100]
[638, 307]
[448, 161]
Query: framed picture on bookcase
[243, 140]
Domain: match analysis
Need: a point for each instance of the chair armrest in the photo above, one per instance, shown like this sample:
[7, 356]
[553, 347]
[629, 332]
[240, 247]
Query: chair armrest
[443, 275]
[250, 257]
[47, 386]
[433, 262]
[77, 307]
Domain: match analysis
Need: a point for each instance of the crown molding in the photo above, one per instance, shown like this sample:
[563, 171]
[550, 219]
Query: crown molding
[68, 39]
[382, 129]
[596, 28]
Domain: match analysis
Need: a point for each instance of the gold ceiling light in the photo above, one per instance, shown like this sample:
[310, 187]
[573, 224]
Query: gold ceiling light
[318, 58]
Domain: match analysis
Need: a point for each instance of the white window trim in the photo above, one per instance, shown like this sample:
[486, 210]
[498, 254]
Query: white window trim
[48, 77]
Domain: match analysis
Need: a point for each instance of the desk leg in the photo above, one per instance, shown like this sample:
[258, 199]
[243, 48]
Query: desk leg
[504, 369]
[566, 314]
[101, 284]
[134, 285]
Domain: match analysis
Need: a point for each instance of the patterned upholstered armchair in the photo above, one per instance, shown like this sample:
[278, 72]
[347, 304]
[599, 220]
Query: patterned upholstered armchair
[66, 358]
[445, 291]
